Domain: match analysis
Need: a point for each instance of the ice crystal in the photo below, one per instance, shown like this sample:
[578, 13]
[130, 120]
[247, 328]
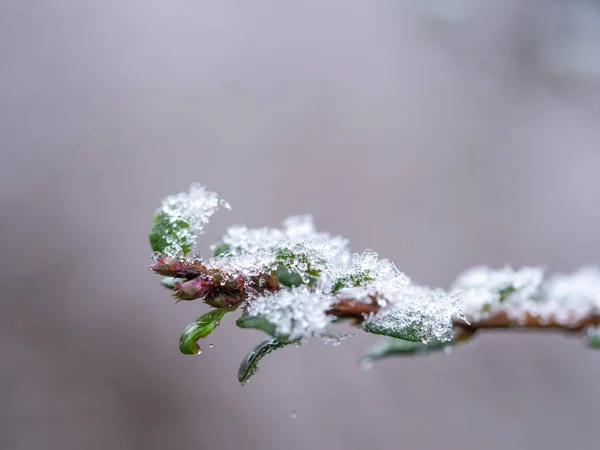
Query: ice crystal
[484, 291]
[295, 313]
[182, 218]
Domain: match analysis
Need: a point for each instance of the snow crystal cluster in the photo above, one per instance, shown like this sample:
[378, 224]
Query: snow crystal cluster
[341, 274]
[561, 299]
[296, 230]
[572, 297]
[298, 246]
[193, 209]
[295, 313]
[417, 313]
[484, 290]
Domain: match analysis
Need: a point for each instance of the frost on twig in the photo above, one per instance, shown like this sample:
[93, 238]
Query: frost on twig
[509, 298]
[295, 282]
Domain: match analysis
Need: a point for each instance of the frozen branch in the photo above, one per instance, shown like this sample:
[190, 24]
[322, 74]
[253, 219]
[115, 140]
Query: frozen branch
[294, 283]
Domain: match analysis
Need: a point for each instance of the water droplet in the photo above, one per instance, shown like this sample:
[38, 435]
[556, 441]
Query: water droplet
[447, 350]
[199, 352]
[217, 323]
[366, 364]
[293, 414]
[211, 345]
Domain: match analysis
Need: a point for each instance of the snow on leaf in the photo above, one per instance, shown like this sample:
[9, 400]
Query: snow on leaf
[296, 229]
[181, 219]
[364, 275]
[416, 314]
[484, 291]
[563, 299]
[295, 313]
[258, 323]
[571, 297]
[297, 252]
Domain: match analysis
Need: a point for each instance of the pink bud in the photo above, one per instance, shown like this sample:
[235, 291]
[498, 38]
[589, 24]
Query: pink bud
[193, 289]
[167, 266]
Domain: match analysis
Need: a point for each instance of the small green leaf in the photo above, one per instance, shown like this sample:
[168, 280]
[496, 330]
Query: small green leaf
[286, 259]
[287, 277]
[166, 233]
[200, 328]
[396, 329]
[392, 347]
[249, 365]
[168, 282]
[352, 280]
[221, 248]
[505, 292]
[256, 322]
[593, 338]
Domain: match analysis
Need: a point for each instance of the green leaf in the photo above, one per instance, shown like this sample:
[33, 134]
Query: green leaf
[200, 328]
[392, 347]
[288, 278]
[505, 292]
[256, 322]
[249, 365]
[168, 282]
[386, 326]
[166, 233]
[352, 280]
[593, 338]
[221, 248]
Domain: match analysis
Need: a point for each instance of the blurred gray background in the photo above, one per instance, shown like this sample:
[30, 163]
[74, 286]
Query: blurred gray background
[441, 134]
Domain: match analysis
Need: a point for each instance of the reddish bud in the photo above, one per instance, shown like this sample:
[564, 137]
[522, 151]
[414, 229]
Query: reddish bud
[167, 266]
[193, 289]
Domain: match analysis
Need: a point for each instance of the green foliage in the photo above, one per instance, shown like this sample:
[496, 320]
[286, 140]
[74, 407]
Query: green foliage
[593, 338]
[504, 293]
[249, 365]
[165, 232]
[221, 248]
[256, 322]
[392, 347]
[352, 280]
[395, 329]
[200, 328]
[289, 277]
[168, 282]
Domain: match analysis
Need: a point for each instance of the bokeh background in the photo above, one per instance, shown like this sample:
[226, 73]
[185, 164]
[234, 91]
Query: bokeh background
[441, 134]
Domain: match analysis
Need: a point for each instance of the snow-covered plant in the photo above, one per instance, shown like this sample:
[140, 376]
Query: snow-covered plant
[296, 283]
